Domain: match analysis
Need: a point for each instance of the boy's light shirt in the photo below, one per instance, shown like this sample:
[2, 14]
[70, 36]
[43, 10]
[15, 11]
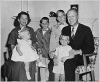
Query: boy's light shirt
[44, 31]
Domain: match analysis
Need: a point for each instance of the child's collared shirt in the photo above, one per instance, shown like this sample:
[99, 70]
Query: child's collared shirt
[43, 41]
[60, 52]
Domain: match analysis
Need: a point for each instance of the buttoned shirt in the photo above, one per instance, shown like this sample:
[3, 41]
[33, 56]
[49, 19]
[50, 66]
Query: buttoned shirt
[75, 28]
[44, 31]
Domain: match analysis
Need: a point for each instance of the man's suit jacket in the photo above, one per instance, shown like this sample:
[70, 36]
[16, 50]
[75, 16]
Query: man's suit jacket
[83, 40]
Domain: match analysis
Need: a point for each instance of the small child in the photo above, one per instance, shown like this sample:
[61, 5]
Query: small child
[61, 55]
[25, 52]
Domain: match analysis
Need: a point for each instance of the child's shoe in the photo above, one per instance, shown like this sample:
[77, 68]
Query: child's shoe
[28, 76]
[40, 64]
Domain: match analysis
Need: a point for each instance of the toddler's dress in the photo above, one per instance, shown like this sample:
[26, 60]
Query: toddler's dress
[28, 53]
[60, 52]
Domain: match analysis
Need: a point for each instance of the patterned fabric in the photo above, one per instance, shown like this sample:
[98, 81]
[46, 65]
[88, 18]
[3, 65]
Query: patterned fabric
[43, 41]
[92, 59]
[72, 33]
[90, 67]
[81, 69]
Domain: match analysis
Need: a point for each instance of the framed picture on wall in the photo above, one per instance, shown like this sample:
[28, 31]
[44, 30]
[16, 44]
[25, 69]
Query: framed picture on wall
[74, 6]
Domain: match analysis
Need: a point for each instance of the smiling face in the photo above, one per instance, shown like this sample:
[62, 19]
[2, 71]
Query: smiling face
[64, 40]
[61, 17]
[45, 24]
[72, 17]
[23, 20]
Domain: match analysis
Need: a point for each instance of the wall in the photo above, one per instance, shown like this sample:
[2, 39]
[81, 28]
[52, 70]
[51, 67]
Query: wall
[88, 11]
[8, 9]
[42, 8]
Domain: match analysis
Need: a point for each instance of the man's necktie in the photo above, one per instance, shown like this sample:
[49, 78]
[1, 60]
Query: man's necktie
[72, 33]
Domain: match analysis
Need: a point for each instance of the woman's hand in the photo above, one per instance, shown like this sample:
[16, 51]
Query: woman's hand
[20, 53]
[51, 54]
[18, 49]
[39, 51]
[33, 48]
[17, 45]
[55, 61]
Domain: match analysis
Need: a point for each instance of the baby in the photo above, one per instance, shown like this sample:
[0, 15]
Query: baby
[25, 52]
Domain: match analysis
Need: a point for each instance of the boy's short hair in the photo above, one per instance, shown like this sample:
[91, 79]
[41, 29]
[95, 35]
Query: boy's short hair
[44, 18]
[62, 35]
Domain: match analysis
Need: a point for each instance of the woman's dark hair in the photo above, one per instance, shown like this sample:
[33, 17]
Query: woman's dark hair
[44, 18]
[16, 22]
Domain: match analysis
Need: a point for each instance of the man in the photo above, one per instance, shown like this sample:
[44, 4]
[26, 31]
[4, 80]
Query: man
[81, 41]
[55, 34]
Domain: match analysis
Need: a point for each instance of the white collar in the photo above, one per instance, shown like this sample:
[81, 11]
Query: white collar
[45, 29]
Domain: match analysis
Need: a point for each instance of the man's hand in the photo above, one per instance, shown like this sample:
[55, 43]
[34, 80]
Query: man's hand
[74, 52]
[51, 54]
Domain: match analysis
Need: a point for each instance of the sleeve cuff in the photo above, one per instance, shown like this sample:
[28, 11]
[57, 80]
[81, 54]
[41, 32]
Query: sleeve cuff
[80, 51]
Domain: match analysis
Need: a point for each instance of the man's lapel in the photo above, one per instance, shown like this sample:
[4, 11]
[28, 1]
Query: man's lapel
[78, 32]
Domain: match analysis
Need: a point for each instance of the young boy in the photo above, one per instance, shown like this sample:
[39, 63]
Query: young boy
[43, 37]
[61, 55]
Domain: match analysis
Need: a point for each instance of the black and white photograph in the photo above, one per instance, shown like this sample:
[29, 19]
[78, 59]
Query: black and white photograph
[61, 42]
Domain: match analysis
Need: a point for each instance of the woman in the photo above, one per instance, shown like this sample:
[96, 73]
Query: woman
[55, 34]
[18, 71]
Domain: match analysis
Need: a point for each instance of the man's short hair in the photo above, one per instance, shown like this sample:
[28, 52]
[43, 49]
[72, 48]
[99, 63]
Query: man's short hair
[73, 9]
